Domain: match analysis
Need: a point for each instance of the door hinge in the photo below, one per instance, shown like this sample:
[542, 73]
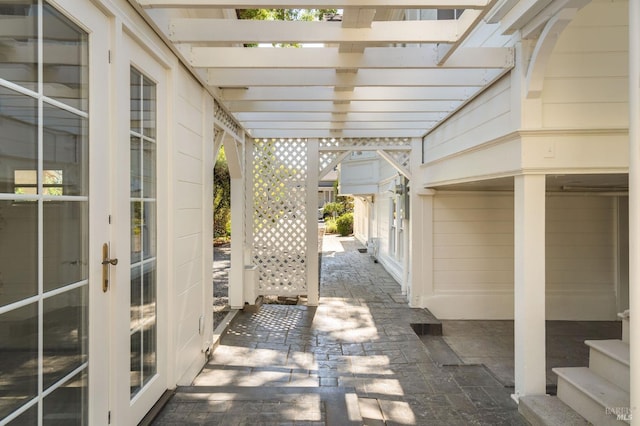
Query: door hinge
[109, 219]
[109, 418]
[109, 56]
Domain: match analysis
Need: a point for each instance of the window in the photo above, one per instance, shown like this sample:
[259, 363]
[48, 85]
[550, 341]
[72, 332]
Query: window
[143, 321]
[43, 244]
[26, 182]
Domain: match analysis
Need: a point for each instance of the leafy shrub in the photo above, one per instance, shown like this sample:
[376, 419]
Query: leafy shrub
[345, 224]
[333, 209]
[330, 226]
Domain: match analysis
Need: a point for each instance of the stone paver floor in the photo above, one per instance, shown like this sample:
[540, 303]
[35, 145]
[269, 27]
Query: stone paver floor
[354, 359]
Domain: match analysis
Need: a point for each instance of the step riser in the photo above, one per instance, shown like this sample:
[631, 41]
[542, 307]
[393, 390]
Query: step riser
[583, 404]
[625, 330]
[609, 368]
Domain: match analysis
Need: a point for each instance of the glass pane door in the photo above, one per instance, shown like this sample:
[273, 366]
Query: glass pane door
[143, 323]
[44, 207]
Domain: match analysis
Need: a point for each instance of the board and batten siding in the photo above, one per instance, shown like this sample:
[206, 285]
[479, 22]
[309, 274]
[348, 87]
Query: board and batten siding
[473, 257]
[193, 165]
[586, 79]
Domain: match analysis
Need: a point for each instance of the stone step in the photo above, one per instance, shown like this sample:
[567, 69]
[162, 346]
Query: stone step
[594, 398]
[610, 359]
[547, 410]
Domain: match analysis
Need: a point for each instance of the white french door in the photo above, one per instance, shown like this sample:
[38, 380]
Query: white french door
[82, 322]
[138, 355]
[53, 179]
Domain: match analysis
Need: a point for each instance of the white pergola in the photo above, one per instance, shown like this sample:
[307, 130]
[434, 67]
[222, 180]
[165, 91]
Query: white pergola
[386, 69]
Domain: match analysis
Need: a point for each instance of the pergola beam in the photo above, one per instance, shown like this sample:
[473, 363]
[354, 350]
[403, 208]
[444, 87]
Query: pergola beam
[329, 57]
[356, 106]
[236, 77]
[326, 125]
[314, 4]
[287, 133]
[340, 117]
[358, 93]
[194, 30]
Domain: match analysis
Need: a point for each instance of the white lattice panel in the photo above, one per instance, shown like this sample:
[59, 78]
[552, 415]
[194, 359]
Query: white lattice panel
[279, 175]
[402, 157]
[356, 142]
[325, 158]
[226, 120]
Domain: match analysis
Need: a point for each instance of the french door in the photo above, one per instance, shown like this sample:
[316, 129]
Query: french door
[81, 295]
[53, 313]
[139, 321]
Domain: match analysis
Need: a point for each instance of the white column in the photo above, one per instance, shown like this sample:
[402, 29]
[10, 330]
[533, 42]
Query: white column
[236, 272]
[313, 283]
[239, 174]
[529, 286]
[421, 248]
[634, 204]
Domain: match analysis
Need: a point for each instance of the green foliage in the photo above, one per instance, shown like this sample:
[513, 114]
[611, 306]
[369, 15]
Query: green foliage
[283, 15]
[330, 226]
[221, 197]
[333, 209]
[345, 224]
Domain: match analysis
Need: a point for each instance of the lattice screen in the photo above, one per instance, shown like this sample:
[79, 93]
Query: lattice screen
[280, 215]
[396, 147]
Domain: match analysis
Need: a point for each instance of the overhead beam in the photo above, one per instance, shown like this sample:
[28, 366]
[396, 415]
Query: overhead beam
[235, 77]
[325, 106]
[284, 133]
[192, 30]
[329, 57]
[357, 17]
[342, 117]
[315, 4]
[312, 93]
[378, 125]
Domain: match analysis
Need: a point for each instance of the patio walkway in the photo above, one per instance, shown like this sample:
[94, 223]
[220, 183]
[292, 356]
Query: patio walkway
[352, 360]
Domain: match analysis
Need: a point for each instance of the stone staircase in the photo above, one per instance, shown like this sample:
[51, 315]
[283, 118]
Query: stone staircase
[598, 393]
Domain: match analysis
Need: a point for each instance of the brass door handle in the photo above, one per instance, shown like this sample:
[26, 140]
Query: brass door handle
[106, 261]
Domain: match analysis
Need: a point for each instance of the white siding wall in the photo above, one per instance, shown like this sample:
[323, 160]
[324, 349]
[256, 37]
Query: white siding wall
[361, 219]
[382, 225]
[485, 118]
[473, 257]
[586, 79]
[581, 257]
[193, 165]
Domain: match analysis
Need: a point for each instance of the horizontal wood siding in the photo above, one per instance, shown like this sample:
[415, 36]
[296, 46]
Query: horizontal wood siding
[580, 244]
[473, 260]
[473, 242]
[485, 118]
[586, 79]
[190, 186]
